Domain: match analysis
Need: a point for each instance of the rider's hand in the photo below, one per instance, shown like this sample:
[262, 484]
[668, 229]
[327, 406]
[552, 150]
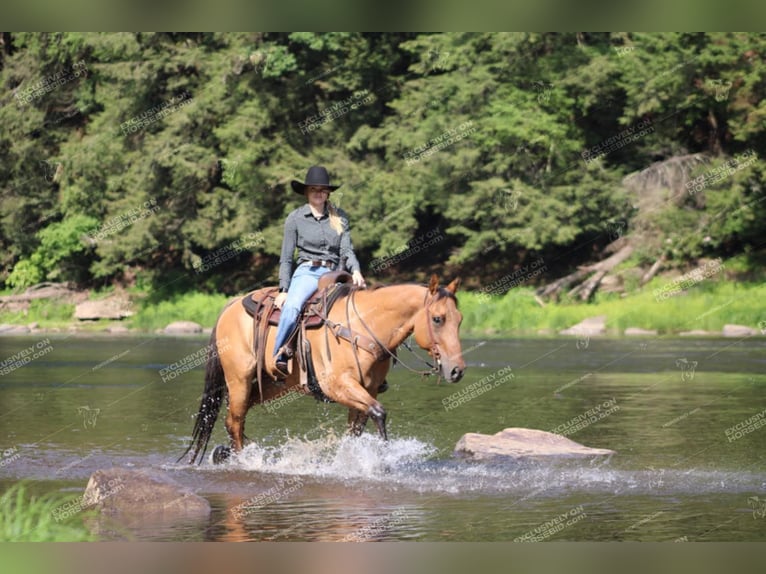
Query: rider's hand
[279, 300]
[358, 279]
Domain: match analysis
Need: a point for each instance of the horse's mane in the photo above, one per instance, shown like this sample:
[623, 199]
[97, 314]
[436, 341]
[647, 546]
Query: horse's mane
[441, 293]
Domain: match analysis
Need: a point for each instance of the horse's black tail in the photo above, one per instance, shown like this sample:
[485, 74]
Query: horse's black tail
[212, 397]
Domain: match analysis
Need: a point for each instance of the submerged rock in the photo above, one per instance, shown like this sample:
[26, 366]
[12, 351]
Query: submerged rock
[697, 333]
[522, 444]
[182, 327]
[7, 329]
[638, 332]
[119, 491]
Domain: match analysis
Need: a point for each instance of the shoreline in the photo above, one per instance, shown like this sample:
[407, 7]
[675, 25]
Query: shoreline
[716, 309]
[105, 332]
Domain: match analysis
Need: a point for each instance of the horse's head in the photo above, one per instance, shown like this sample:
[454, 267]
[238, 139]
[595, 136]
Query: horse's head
[436, 329]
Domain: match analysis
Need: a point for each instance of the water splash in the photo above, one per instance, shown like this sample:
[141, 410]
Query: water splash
[342, 457]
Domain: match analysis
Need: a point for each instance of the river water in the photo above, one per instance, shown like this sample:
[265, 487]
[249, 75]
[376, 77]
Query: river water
[686, 417]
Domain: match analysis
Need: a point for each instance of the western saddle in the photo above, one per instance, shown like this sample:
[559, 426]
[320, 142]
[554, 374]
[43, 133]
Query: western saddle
[260, 305]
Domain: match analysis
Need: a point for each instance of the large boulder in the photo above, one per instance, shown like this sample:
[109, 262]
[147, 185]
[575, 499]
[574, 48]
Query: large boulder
[739, 331]
[182, 328]
[110, 308]
[522, 444]
[590, 327]
[119, 491]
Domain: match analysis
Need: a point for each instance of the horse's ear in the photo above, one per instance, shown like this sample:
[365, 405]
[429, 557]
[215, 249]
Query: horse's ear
[452, 287]
[434, 284]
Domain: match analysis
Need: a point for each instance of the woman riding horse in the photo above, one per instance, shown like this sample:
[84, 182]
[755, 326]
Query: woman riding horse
[351, 353]
[320, 231]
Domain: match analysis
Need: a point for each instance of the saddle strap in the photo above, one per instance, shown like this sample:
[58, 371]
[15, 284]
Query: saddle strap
[357, 340]
[338, 330]
[265, 305]
[308, 376]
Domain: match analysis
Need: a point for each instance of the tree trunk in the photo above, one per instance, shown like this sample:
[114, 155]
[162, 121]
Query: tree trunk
[656, 266]
[587, 288]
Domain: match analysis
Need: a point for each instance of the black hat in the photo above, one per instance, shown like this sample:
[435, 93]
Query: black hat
[316, 175]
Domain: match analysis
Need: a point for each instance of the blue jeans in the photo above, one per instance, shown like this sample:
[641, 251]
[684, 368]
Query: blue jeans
[302, 286]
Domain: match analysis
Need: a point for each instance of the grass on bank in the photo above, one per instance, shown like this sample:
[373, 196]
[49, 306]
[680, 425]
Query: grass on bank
[26, 517]
[47, 312]
[202, 308]
[707, 306]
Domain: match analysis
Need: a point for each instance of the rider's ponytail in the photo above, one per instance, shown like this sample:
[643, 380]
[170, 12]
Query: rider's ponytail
[335, 221]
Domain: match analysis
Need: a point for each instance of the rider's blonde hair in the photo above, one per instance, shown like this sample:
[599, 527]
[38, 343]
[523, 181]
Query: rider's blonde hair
[335, 221]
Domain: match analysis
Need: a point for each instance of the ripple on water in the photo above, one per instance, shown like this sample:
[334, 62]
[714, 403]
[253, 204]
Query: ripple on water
[412, 464]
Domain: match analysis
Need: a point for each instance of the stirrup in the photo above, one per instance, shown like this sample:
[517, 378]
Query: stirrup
[284, 356]
[281, 366]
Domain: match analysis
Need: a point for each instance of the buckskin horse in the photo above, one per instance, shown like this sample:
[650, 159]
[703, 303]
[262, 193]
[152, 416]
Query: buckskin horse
[345, 360]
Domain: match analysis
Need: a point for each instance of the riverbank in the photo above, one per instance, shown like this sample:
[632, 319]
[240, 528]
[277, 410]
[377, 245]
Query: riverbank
[704, 308]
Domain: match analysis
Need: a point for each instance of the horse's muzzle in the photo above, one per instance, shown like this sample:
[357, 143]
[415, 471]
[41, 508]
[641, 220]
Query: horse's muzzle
[455, 375]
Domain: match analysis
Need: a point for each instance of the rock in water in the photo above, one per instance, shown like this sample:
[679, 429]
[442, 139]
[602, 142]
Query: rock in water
[637, 332]
[697, 333]
[119, 491]
[522, 444]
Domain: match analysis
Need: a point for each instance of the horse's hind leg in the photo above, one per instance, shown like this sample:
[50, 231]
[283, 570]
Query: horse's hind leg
[239, 402]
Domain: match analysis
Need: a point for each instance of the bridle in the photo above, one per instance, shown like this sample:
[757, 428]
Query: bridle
[435, 369]
[435, 351]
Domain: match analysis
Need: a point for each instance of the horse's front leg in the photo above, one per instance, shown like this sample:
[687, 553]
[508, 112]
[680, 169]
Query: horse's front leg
[346, 390]
[357, 420]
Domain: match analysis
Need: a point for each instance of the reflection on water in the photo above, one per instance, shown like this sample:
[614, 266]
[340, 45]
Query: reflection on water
[680, 471]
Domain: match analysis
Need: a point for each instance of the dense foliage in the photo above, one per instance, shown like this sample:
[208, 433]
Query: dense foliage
[165, 159]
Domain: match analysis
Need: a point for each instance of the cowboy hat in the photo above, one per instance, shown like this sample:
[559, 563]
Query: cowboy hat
[316, 176]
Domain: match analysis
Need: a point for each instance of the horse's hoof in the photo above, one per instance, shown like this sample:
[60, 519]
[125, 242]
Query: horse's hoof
[220, 454]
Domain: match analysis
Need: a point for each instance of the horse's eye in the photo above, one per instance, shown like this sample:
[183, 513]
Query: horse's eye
[437, 320]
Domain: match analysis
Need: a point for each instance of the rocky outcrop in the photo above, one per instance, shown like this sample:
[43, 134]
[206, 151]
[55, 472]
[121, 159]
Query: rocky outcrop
[182, 328]
[119, 491]
[522, 444]
[590, 327]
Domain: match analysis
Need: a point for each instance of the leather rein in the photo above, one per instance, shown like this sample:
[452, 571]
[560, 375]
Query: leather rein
[434, 349]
